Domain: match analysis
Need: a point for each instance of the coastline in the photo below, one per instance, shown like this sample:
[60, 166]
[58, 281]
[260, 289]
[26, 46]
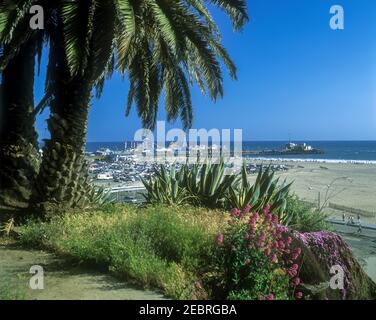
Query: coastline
[351, 184]
[273, 159]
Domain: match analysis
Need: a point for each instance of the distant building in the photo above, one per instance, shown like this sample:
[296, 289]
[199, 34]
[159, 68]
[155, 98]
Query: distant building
[105, 176]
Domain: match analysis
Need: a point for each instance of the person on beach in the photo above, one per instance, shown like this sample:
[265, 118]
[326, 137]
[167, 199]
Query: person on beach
[343, 217]
[359, 224]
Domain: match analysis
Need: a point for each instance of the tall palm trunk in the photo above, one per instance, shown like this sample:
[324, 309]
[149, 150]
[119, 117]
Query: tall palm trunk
[19, 156]
[63, 178]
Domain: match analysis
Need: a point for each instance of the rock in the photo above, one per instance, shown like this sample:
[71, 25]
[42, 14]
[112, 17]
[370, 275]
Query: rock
[320, 252]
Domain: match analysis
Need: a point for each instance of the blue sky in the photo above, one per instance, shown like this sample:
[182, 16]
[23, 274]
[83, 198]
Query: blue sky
[296, 76]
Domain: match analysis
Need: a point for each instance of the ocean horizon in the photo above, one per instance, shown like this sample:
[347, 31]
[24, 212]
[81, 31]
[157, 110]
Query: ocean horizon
[334, 151]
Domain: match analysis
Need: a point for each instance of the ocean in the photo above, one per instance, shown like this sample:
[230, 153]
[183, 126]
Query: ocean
[334, 151]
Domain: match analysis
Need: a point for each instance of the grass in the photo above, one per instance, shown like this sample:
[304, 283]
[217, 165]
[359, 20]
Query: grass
[158, 247]
[10, 290]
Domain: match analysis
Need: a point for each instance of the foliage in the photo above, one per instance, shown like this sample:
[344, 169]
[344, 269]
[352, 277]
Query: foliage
[160, 247]
[99, 196]
[265, 191]
[8, 227]
[161, 45]
[208, 185]
[254, 259]
[187, 252]
[204, 185]
[165, 187]
[304, 217]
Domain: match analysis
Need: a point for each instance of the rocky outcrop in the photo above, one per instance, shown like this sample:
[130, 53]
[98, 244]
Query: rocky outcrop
[324, 256]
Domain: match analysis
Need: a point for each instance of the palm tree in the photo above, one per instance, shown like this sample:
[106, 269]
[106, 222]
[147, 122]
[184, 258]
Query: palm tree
[19, 156]
[162, 45]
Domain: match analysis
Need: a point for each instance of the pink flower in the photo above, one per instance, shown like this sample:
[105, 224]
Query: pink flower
[289, 240]
[268, 217]
[270, 297]
[275, 245]
[267, 251]
[198, 285]
[275, 219]
[262, 236]
[235, 212]
[219, 239]
[273, 258]
[252, 222]
[247, 235]
[261, 244]
[292, 273]
[296, 281]
[254, 218]
[281, 244]
[247, 208]
[266, 209]
[296, 254]
[295, 266]
[299, 295]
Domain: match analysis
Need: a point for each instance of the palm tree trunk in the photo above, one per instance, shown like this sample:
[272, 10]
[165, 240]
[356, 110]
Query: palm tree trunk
[19, 156]
[63, 178]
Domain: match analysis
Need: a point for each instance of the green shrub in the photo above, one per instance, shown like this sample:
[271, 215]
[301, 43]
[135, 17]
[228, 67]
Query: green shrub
[160, 247]
[173, 248]
[304, 217]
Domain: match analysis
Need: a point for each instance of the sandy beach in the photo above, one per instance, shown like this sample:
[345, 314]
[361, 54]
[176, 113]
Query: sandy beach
[353, 185]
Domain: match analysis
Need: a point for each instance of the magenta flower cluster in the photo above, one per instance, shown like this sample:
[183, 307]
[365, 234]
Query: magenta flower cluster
[330, 249]
[264, 233]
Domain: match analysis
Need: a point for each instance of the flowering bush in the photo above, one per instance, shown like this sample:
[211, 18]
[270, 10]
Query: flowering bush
[255, 259]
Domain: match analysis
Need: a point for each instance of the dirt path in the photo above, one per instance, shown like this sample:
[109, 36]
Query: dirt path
[61, 282]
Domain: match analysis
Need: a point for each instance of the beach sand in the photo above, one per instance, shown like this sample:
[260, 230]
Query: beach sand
[352, 185]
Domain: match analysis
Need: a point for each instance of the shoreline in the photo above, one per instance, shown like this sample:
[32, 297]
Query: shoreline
[342, 185]
[373, 162]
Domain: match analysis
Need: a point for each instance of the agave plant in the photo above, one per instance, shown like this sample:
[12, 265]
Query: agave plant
[205, 185]
[265, 190]
[213, 184]
[165, 187]
[99, 196]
